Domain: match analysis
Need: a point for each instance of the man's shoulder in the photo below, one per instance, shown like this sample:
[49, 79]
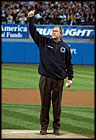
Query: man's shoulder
[65, 44]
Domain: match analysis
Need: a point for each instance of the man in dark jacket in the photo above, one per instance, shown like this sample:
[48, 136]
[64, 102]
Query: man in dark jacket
[55, 65]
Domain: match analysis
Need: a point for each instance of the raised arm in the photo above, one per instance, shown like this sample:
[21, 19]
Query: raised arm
[37, 37]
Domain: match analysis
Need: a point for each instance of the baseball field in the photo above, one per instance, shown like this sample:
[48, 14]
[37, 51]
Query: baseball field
[21, 100]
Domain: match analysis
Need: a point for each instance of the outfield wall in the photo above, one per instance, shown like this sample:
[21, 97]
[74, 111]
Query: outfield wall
[18, 46]
[28, 52]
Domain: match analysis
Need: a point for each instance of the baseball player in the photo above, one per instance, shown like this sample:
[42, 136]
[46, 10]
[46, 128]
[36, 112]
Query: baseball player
[55, 65]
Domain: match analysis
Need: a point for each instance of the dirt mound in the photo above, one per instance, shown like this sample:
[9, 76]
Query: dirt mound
[36, 134]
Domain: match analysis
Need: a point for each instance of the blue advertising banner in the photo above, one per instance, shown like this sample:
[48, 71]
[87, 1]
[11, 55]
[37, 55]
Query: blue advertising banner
[21, 52]
[82, 53]
[21, 31]
[15, 31]
[70, 32]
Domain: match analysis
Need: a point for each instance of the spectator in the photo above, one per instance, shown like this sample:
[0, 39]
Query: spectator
[73, 19]
[22, 19]
[10, 19]
[49, 12]
[3, 17]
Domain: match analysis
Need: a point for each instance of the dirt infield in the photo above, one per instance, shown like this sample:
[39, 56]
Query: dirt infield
[29, 96]
[36, 134]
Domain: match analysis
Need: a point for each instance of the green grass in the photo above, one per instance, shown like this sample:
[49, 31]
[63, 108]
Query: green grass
[73, 119]
[27, 77]
[20, 116]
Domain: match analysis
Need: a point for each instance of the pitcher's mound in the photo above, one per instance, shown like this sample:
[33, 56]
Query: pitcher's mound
[36, 134]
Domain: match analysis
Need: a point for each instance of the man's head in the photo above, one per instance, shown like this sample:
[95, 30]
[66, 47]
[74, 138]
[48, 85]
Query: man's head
[57, 33]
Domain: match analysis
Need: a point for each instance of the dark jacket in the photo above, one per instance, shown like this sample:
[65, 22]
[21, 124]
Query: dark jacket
[55, 58]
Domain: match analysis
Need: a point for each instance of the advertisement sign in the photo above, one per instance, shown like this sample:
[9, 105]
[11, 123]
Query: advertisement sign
[21, 31]
[21, 52]
[15, 31]
[82, 53]
[70, 32]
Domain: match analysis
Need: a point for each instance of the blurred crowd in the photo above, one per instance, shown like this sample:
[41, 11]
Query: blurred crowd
[49, 12]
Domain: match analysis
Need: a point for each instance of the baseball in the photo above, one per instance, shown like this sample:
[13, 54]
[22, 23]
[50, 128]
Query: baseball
[67, 84]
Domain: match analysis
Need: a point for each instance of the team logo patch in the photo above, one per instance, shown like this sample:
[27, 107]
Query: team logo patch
[62, 50]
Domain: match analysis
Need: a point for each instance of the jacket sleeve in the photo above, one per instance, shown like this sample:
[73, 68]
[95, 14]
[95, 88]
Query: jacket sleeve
[37, 37]
[69, 65]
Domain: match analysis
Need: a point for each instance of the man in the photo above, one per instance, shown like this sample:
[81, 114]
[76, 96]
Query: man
[55, 65]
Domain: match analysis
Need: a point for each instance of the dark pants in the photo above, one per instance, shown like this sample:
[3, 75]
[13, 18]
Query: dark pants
[47, 86]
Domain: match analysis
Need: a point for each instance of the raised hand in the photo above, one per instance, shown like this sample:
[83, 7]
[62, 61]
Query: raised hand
[31, 13]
